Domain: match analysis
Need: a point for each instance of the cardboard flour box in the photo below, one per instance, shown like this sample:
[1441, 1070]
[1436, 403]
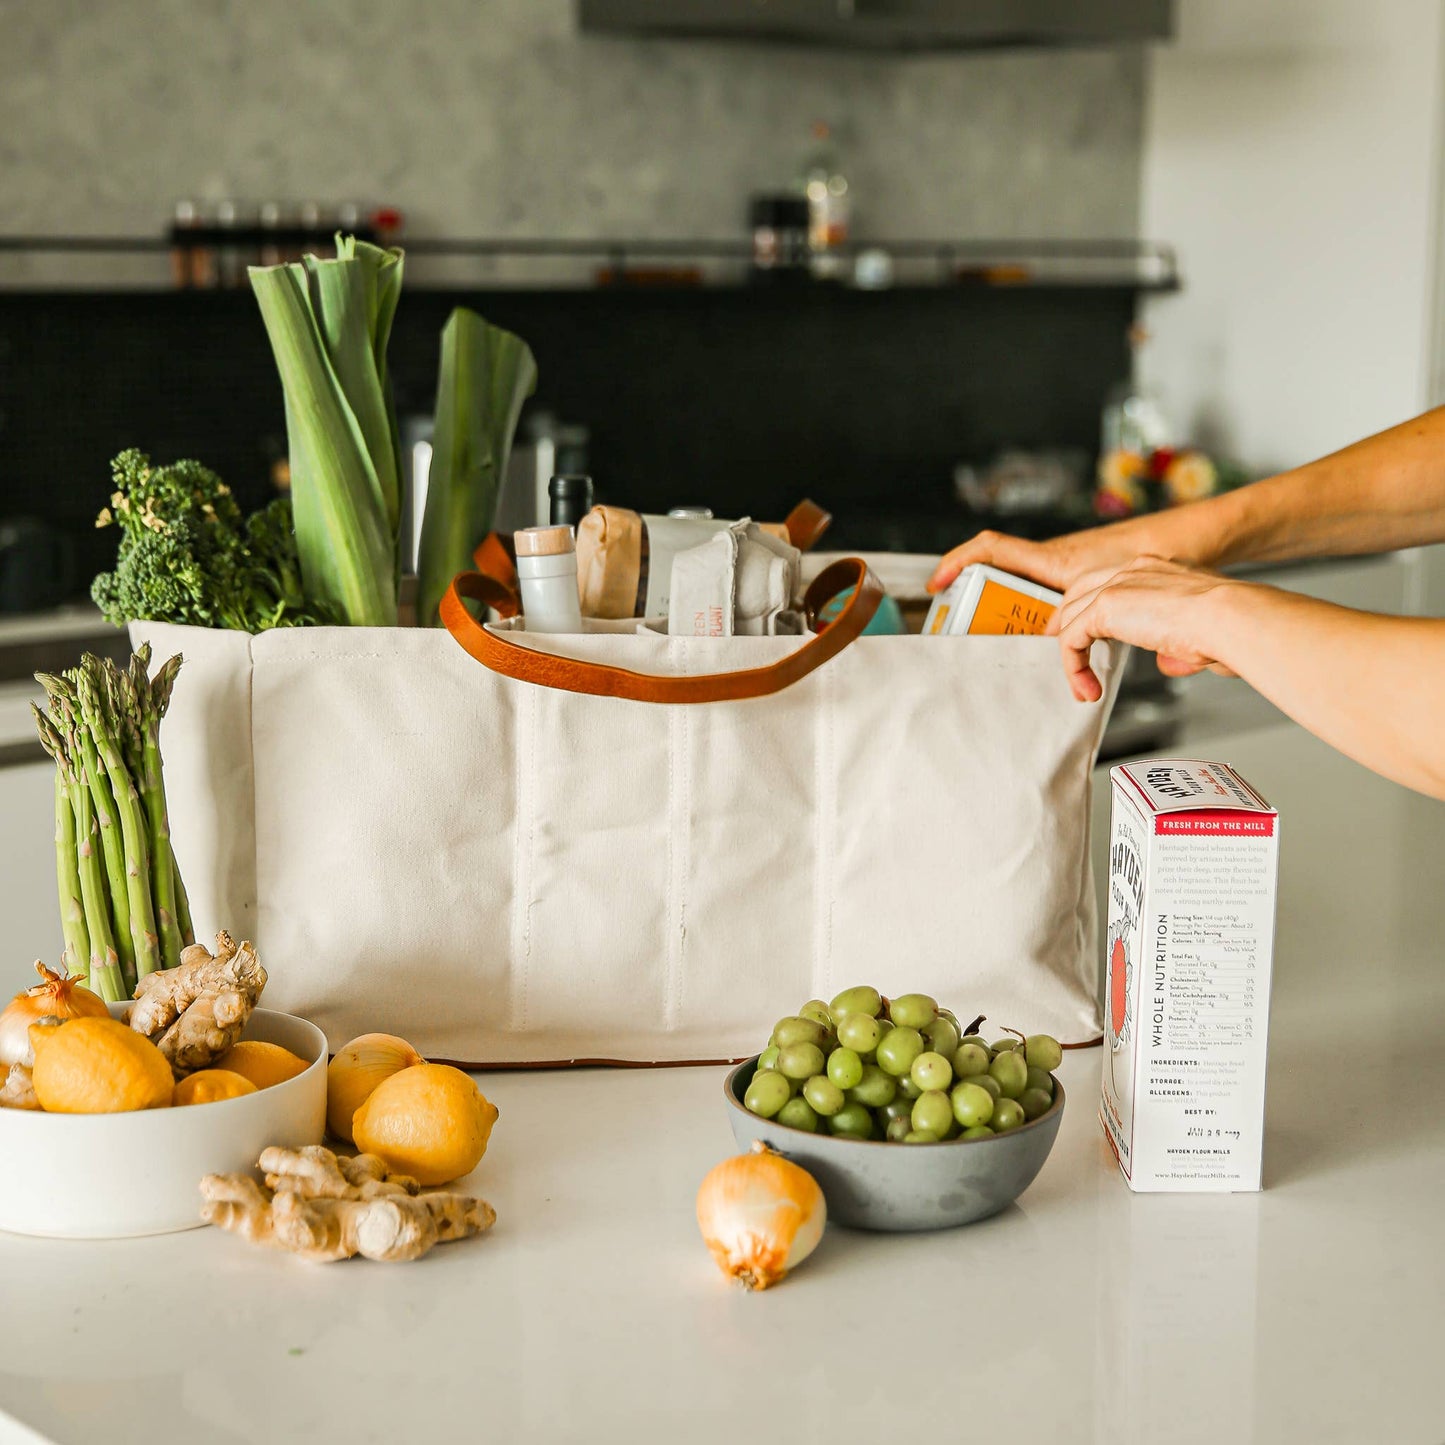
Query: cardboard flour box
[1193, 853]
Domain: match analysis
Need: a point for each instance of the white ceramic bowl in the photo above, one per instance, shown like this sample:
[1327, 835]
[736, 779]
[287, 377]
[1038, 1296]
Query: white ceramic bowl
[112, 1176]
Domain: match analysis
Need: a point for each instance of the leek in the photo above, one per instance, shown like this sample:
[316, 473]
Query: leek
[328, 322]
[484, 377]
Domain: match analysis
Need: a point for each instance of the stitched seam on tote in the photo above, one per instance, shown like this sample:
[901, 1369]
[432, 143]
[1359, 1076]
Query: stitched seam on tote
[522, 862]
[679, 860]
[830, 825]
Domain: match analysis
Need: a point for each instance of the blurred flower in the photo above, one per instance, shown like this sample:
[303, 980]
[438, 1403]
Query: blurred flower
[1119, 468]
[1111, 506]
[1189, 477]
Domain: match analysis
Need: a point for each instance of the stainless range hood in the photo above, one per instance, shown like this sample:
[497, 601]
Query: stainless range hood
[890, 24]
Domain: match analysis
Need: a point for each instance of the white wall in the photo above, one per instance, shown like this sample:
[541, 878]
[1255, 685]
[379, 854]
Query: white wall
[1292, 154]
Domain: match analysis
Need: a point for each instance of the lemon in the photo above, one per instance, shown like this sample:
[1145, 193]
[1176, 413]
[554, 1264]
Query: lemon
[210, 1086]
[99, 1066]
[430, 1121]
[263, 1064]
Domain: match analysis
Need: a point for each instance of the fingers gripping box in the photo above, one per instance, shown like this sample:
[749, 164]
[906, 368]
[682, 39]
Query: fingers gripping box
[1193, 854]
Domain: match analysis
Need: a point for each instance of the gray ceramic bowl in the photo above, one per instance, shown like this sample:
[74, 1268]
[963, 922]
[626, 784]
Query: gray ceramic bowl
[871, 1184]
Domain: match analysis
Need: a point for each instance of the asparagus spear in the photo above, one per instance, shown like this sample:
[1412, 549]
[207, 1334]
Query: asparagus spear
[64, 701]
[89, 680]
[104, 975]
[169, 892]
[67, 865]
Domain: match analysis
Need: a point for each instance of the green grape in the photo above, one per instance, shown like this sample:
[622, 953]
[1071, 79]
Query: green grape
[931, 1071]
[797, 1031]
[948, 1013]
[859, 1032]
[1004, 1045]
[979, 1131]
[971, 1103]
[860, 1000]
[987, 1081]
[942, 1036]
[1007, 1114]
[823, 1094]
[1009, 1069]
[920, 1136]
[907, 1088]
[977, 1041]
[932, 1111]
[767, 1092]
[845, 1068]
[802, 1061]
[969, 1059]
[885, 1026]
[1040, 1079]
[913, 1011]
[816, 1010]
[1043, 1052]
[898, 1049]
[852, 1120]
[899, 1108]
[768, 1059]
[896, 1130]
[798, 1114]
[1035, 1103]
[875, 1089]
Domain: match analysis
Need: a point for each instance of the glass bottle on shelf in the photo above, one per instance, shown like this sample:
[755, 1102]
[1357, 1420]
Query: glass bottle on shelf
[823, 182]
[1134, 419]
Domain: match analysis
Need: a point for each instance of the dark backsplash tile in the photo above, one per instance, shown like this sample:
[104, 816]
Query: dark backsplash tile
[741, 399]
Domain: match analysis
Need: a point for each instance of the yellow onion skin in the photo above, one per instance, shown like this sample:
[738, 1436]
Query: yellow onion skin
[760, 1215]
[352, 1076]
[55, 996]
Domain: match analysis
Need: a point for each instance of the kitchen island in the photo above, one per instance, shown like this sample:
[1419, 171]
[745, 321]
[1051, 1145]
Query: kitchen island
[1313, 1311]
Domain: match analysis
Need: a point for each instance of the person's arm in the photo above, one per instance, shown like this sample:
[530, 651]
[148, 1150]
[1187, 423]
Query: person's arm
[1369, 685]
[1384, 492]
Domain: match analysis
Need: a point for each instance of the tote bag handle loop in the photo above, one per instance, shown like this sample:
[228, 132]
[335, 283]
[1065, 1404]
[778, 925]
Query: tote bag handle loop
[569, 674]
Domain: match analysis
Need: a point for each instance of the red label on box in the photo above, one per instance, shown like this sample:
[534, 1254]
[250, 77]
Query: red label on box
[1220, 822]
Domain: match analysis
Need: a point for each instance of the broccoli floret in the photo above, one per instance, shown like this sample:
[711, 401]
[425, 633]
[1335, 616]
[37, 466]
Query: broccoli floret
[188, 556]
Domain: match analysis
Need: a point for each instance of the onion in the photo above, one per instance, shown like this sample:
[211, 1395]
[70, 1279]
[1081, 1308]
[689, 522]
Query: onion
[53, 997]
[352, 1076]
[760, 1215]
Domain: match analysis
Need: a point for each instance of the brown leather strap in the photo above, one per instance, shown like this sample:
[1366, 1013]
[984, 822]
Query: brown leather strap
[493, 558]
[569, 674]
[806, 524]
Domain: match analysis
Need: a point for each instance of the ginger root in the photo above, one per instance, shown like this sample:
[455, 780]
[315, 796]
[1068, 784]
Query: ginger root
[194, 1012]
[18, 1090]
[325, 1208]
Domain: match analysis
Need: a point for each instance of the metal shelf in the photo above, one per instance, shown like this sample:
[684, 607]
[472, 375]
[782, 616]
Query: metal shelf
[144, 263]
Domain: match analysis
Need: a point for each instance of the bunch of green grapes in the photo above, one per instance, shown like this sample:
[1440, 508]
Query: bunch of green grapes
[868, 1068]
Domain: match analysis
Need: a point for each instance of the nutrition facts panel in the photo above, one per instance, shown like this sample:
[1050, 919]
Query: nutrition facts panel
[1211, 979]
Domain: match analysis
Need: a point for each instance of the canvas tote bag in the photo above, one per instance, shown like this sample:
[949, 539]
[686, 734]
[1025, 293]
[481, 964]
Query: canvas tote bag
[631, 847]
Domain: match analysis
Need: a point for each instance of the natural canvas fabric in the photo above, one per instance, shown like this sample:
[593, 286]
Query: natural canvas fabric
[504, 873]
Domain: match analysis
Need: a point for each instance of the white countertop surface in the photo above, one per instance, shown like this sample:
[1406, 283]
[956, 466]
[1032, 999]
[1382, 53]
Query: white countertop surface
[1311, 1312]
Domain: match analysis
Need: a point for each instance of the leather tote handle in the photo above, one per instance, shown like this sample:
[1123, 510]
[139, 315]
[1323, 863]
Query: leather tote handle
[569, 674]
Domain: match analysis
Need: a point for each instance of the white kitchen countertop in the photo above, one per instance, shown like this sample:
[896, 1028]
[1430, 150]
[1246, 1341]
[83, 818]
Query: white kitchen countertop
[1312, 1312]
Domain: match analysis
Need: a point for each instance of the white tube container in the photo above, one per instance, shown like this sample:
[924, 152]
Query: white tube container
[547, 575]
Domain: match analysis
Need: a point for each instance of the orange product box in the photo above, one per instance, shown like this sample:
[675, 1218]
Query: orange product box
[983, 601]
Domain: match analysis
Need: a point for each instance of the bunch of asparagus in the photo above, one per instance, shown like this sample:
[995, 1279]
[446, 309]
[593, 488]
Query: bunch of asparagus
[123, 906]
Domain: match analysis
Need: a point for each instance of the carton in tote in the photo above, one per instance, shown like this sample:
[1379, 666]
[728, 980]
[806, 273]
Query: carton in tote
[982, 601]
[1193, 854]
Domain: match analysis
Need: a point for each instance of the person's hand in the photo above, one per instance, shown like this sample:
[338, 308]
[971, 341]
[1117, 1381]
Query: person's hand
[1057, 563]
[1150, 603]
